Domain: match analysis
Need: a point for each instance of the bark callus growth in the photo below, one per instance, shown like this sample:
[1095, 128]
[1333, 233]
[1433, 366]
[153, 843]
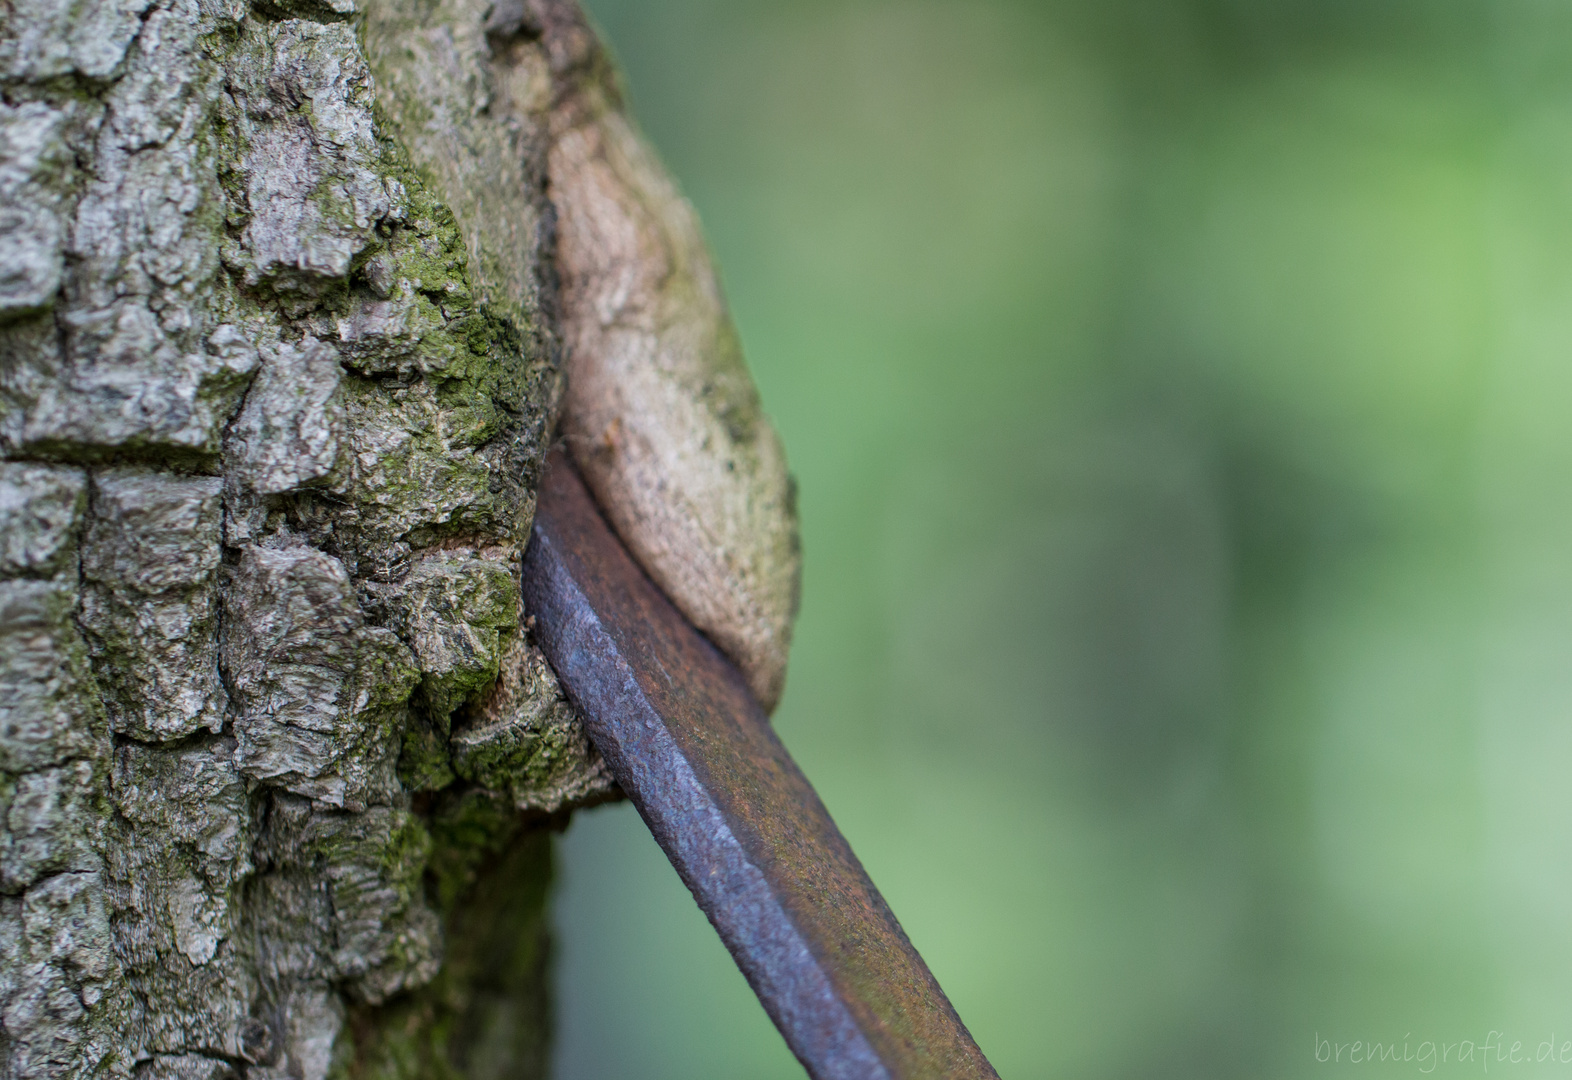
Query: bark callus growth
[282, 345]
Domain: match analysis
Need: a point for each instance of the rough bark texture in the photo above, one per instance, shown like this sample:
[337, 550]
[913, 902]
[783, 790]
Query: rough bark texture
[279, 360]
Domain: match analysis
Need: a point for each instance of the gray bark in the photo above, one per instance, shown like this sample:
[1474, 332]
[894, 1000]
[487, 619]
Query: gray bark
[279, 359]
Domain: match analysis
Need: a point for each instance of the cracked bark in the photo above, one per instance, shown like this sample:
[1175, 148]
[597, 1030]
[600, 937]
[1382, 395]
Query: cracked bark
[281, 350]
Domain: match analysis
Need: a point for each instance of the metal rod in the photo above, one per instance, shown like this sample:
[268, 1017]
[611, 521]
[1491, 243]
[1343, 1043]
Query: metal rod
[741, 824]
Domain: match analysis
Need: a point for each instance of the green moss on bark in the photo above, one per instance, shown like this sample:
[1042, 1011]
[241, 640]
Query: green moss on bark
[486, 1016]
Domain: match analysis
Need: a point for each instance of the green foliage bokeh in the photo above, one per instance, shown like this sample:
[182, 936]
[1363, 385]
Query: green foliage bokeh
[1181, 398]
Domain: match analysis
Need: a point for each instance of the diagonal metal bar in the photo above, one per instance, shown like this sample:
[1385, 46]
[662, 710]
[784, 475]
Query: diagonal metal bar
[739, 821]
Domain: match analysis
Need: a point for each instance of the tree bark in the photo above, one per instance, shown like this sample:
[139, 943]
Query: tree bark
[281, 350]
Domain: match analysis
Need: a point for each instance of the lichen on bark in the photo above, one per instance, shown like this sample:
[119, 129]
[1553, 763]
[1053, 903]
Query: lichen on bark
[288, 291]
[278, 366]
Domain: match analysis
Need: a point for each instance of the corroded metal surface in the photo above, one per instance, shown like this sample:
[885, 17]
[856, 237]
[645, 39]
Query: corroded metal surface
[745, 830]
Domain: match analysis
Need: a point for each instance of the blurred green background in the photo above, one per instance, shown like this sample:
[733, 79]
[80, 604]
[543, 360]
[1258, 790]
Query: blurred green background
[1181, 400]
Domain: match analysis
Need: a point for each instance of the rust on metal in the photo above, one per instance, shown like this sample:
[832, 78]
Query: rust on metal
[744, 829]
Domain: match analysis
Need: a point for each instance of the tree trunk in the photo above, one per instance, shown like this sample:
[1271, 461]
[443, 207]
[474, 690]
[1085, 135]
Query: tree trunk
[279, 360]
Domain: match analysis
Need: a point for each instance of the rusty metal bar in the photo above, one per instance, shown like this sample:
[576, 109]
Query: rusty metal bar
[739, 821]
